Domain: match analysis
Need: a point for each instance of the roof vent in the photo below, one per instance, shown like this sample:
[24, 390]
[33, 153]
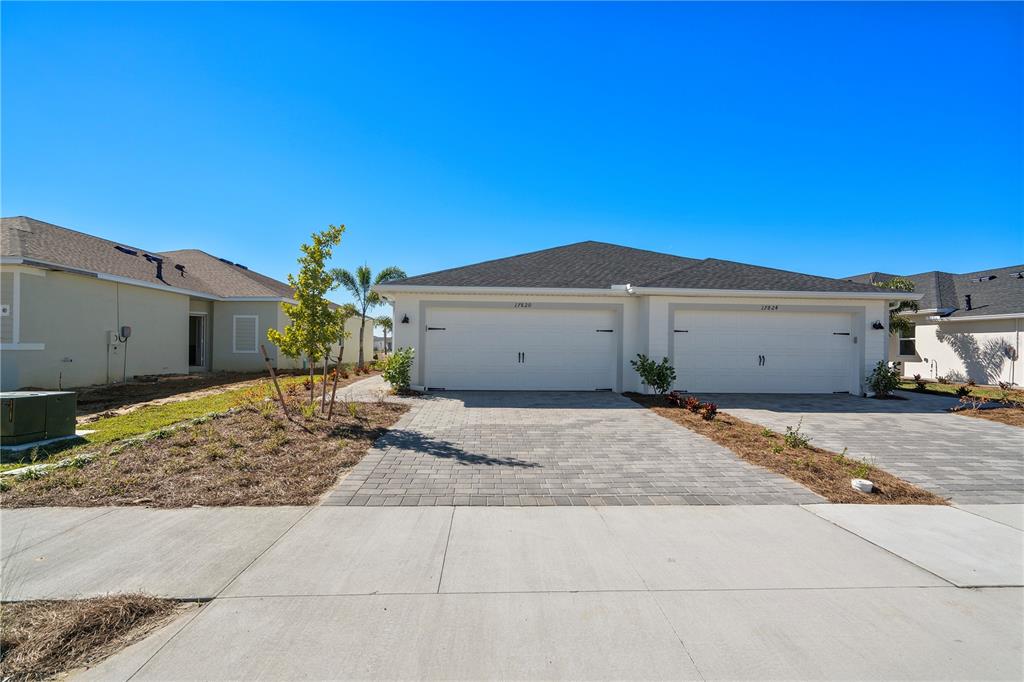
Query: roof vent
[1020, 275]
[967, 301]
[241, 266]
[225, 260]
[159, 264]
[985, 278]
[125, 249]
[180, 268]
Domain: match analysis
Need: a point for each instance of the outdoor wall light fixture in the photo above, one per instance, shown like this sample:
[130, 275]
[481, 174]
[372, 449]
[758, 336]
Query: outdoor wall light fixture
[877, 325]
[405, 319]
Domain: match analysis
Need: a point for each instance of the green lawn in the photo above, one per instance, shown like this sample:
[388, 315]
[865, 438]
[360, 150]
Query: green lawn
[153, 417]
[950, 389]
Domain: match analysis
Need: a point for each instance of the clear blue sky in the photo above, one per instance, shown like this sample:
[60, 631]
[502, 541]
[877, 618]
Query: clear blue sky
[823, 138]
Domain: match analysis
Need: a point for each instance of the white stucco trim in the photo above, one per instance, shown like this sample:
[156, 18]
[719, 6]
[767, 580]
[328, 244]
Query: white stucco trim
[622, 290]
[976, 318]
[22, 346]
[385, 289]
[741, 293]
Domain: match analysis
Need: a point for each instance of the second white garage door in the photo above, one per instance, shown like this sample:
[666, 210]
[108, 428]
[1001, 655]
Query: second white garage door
[520, 349]
[719, 351]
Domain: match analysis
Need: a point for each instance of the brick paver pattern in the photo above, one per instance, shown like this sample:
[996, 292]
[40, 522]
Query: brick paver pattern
[967, 459]
[551, 448]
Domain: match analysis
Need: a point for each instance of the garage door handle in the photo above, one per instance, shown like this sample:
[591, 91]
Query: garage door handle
[435, 329]
[604, 330]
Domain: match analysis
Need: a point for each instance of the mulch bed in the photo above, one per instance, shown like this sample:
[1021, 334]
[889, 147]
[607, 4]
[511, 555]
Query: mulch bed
[1014, 416]
[823, 471]
[43, 639]
[252, 456]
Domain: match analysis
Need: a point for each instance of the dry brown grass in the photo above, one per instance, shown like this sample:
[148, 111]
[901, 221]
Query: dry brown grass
[42, 639]
[1014, 416]
[253, 456]
[826, 473]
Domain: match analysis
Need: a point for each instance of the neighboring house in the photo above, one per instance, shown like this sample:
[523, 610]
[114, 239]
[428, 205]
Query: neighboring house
[379, 345]
[573, 317]
[968, 326]
[66, 296]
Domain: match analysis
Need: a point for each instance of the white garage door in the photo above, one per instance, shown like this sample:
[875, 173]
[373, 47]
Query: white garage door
[520, 349]
[719, 351]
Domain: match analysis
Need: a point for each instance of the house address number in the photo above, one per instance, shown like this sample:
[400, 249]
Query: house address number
[770, 307]
[522, 305]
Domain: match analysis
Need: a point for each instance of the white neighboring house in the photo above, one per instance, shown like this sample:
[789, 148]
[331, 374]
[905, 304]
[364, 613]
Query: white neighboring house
[65, 296]
[968, 327]
[573, 317]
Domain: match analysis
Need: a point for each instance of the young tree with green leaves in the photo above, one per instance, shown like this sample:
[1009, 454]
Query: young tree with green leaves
[360, 284]
[314, 323]
[898, 322]
[386, 325]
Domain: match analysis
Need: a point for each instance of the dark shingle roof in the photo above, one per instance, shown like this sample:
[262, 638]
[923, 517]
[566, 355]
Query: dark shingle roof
[585, 265]
[34, 240]
[597, 265]
[999, 291]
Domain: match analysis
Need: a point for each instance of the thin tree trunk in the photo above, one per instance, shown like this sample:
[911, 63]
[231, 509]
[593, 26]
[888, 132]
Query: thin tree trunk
[337, 371]
[385, 349]
[323, 394]
[273, 377]
[362, 328]
[311, 367]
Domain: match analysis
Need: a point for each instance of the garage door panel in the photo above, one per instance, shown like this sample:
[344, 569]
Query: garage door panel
[479, 348]
[754, 352]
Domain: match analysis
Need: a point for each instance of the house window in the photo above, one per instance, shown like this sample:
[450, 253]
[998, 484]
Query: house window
[908, 346]
[243, 338]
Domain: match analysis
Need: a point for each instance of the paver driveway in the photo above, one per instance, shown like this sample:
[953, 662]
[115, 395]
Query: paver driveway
[972, 461]
[551, 448]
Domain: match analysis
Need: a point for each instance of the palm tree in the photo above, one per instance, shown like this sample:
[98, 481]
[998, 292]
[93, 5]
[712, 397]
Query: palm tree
[385, 323]
[360, 285]
[899, 324]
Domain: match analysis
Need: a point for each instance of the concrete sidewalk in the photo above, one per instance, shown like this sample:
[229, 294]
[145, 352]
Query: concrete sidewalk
[730, 592]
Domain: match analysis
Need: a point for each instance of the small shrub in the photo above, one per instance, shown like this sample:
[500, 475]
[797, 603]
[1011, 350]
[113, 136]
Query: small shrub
[794, 438]
[884, 379]
[30, 475]
[692, 404]
[777, 449]
[963, 392]
[675, 398]
[767, 433]
[708, 411]
[5, 484]
[943, 380]
[862, 470]
[308, 410]
[972, 382]
[919, 382]
[397, 369]
[657, 375]
[353, 410]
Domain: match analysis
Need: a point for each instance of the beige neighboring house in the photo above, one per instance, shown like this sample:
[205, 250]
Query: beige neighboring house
[65, 297]
[968, 327]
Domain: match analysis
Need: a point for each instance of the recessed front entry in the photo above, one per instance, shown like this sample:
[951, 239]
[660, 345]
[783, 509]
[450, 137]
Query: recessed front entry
[730, 351]
[197, 340]
[520, 348]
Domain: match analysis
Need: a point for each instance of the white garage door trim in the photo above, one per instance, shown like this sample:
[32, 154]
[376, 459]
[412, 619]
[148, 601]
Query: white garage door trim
[616, 310]
[853, 366]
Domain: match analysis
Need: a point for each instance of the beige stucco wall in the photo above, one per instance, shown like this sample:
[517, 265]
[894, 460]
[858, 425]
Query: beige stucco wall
[223, 356]
[646, 321]
[72, 315]
[351, 354]
[975, 350]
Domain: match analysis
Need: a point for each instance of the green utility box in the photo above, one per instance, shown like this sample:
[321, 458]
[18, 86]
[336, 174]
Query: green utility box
[27, 416]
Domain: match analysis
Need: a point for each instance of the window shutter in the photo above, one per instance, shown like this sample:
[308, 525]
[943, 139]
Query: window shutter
[245, 333]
